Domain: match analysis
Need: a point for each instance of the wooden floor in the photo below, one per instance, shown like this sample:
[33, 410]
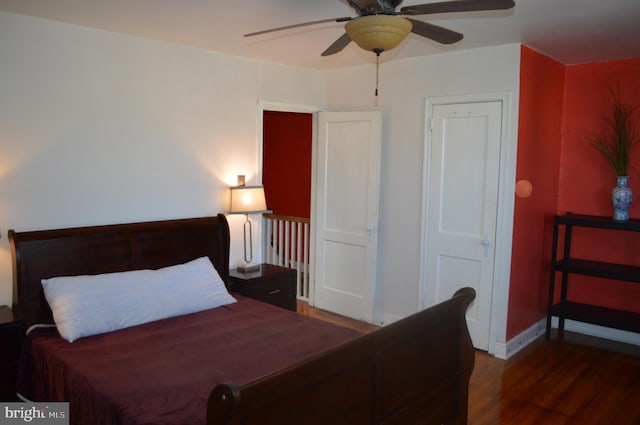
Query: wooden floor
[303, 308]
[576, 380]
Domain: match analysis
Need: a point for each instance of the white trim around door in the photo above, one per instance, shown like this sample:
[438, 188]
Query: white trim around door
[299, 108]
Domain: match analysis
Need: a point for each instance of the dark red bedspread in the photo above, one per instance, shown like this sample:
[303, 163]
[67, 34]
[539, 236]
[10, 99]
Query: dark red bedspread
[162, 372]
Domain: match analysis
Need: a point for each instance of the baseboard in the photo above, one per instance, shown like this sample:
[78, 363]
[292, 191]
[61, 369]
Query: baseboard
[383, 319]
[599, 331]
[514, 345]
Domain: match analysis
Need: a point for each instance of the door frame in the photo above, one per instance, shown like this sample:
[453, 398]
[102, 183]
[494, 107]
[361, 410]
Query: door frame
[298, 108]
[505, 210]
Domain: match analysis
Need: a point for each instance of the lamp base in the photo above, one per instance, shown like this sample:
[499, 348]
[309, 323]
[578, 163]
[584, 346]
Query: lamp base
[249, 267]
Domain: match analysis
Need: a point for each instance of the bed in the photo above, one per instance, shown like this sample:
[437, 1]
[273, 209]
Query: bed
[242, 362]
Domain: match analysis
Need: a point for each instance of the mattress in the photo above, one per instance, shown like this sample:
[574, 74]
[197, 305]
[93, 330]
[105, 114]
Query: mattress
[163, 372]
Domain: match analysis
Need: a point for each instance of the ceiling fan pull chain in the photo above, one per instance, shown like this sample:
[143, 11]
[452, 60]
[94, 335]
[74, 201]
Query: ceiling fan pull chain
[377, 52]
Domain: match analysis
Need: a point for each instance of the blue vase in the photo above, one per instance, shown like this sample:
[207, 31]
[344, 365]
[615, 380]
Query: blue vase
[621, 197]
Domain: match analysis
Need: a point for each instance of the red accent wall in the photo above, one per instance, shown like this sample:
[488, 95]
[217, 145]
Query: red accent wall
[287, 162]
[538, 160]
[586, 179]
[560, 107]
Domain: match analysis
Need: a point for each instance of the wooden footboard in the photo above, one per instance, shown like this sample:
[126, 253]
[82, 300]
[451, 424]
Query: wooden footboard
[414, 371]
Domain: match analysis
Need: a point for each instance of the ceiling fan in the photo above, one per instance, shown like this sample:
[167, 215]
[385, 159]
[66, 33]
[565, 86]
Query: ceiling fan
[380, 27]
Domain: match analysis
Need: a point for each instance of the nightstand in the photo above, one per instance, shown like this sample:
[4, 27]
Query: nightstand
[12, 334]
[271, 284]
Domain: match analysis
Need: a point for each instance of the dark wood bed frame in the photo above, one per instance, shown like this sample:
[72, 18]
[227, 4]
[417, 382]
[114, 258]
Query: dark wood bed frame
[414, 371]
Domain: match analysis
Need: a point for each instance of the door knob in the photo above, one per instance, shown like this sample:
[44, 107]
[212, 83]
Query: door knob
[486, 243]
[370, 231]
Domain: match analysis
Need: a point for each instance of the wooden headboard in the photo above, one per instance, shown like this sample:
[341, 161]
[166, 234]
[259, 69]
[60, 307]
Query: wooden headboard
[112, 248]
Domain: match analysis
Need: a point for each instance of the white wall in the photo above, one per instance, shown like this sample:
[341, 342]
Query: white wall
[404, 86]
[98, 128]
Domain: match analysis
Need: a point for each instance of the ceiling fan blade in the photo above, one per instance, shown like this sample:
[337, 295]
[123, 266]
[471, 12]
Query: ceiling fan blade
[434, 32]
[304, 24]
[457, 6]
[337, 45]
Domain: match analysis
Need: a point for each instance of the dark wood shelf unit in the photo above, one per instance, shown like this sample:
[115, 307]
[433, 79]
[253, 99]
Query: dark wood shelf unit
[599, 269]
[596, 315]
[565, 266]
[598, 221]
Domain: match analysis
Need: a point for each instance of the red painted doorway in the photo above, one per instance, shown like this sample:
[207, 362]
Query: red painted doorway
[286, 162]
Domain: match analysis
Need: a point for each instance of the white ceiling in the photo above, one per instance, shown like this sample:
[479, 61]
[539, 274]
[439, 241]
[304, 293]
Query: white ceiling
[570, 31]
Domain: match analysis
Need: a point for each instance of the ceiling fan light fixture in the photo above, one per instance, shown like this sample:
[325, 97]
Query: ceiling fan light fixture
[378, 33]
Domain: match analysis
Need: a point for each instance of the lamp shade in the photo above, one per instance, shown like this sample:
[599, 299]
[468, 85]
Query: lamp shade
[247, 200]
[378, 33]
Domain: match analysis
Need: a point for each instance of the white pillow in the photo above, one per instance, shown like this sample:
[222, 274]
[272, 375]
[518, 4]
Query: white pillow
[94, 304]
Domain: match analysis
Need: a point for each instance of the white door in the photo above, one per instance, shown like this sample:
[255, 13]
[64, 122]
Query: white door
[464, 171]
[345, 216]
